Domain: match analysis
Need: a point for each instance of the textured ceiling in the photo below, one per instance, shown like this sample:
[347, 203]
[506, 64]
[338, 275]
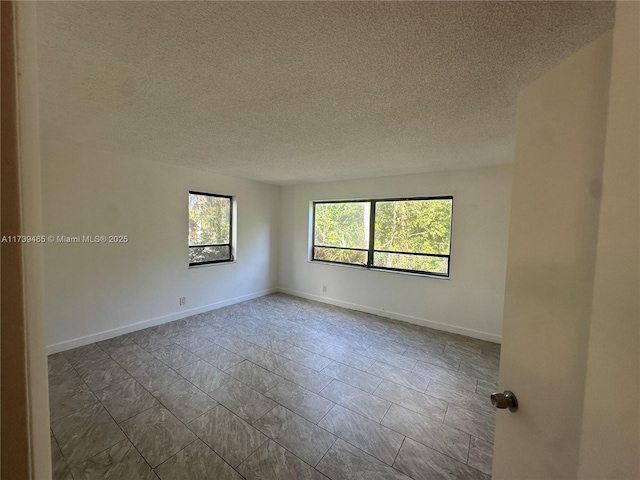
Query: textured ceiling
[291, 92]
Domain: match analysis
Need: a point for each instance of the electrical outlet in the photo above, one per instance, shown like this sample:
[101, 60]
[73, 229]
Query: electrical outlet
[324, 289]
[183, 300]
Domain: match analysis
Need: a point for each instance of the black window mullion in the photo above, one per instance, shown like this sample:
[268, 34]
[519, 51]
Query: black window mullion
[343, 248]
[211, 245]
[372, 232]
[441, 255]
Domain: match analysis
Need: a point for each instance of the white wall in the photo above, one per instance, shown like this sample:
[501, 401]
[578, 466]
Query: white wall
[95, 291]
[92, 291]
[470, 302]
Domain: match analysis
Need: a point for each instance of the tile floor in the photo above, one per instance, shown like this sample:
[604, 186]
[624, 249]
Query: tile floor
[275, 388]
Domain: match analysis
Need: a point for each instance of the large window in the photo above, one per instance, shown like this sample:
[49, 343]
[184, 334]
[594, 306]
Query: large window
[210, 223]
[407, 235]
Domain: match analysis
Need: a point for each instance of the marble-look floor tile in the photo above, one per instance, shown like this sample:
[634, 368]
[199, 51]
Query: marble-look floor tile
[482, 367]
[69, 397]
[491, 355]
[429, 432]
[219, 357]
[463, 349]
[350, 343]
[185, 400]
[393, 359]
[204, 375]
[191, 341]
[153, 374]
[446, 375]
[172, 329]
[248, 323]
[486, 387]
[99, 371]
[205, 331]
[356, 400]
[492, 350]
[398, 328]
[400, 376]
[196, 462]
[272, 462]
[306, 358]
[59, 467]
[60, 369]
[102, 374]
[437, 359]
[212, 318]
[242, 400]
[264, 358]
[461, 397]
[298, 435]
[348, 358]
[303, 376]
[130, 356]
[377, 334]
[227, 434]
[480, 455]
[301, 401]
[412, 340]
[309, 343]
[231, 342]
[86, 433]
[373, 438]
[384, 345]
[149, 339]
[352, 376]
[423, 463]
[282, 329]
[125, 399]
[268, 342]
[118, 462]
[359, 360]
[472, 422]
[255, 376]
[412, 400]
[86, 354]
[157, 434]
[119, 341]
[174, 356]
[346, 462]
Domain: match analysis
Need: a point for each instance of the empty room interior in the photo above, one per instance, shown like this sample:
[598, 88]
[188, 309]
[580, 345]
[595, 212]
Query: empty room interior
[322, 240]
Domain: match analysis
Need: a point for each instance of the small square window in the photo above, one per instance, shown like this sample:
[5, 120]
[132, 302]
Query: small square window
[210, 228]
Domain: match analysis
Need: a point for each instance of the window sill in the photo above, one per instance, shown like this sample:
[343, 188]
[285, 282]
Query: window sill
[202, 265]
[358, 267]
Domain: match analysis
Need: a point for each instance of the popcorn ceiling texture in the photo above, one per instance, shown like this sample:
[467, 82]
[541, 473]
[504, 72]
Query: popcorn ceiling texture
[292, 92]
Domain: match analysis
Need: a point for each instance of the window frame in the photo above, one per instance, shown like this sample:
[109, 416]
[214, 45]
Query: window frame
[230, 244]
[371, 248]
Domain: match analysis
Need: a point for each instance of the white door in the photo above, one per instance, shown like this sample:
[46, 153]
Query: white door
[560, 143]
[571, 338]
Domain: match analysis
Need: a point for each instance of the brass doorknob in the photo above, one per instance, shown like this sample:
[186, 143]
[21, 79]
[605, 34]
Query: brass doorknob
[505, 400]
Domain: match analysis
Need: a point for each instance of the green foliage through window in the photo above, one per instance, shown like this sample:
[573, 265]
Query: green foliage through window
[209, 228]
[408, 234]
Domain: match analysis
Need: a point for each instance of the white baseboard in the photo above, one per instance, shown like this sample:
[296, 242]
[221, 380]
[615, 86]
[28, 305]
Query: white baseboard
[115, 332]
[490, 337]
